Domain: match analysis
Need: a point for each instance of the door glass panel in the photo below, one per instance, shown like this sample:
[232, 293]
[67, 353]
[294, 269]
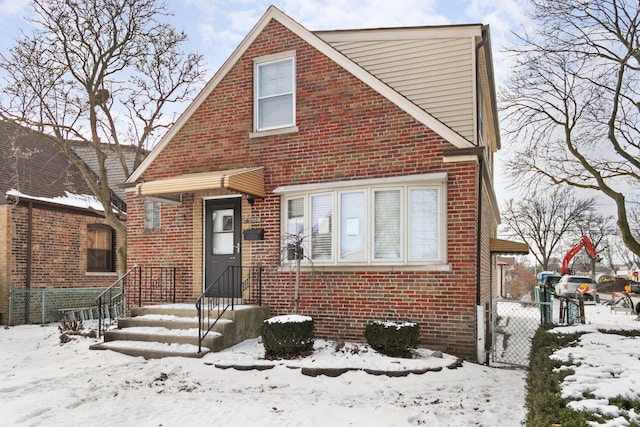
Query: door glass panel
[222, 238]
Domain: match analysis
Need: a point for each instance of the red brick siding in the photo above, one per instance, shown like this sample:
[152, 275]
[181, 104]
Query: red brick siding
[346, 131]
[171, 246]
[58, 251]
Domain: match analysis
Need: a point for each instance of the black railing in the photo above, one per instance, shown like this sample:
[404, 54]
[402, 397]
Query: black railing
[236, 285]
[139, 286]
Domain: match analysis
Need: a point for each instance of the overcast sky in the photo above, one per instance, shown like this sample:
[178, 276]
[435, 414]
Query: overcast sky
[216, 27]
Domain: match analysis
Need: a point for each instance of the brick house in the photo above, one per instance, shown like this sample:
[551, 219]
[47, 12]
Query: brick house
[373, 146]
[52, 235]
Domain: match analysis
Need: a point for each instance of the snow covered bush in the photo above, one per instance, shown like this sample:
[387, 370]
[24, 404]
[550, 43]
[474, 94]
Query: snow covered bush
[287, 336]
[394, 339]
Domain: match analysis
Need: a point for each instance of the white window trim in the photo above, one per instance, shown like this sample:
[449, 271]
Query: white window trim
[369, 186]
[431, 178]
[403, 224]
[368, 227]
[284, 128]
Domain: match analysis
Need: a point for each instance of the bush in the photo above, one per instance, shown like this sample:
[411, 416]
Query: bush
[287, 336]
[393, 338]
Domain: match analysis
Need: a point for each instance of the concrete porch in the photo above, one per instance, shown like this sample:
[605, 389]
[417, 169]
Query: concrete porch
[171, 330]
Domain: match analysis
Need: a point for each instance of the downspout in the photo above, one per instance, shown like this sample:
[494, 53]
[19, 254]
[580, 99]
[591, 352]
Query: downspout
[479, 231]
[29, 243]
[487, 315]
[27, 300]
[480, 172]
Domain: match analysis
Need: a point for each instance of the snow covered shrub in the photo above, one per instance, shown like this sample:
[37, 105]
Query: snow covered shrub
[287, 336]
[392, 338]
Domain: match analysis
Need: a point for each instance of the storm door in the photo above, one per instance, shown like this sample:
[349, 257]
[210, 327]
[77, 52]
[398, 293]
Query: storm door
[222, 234]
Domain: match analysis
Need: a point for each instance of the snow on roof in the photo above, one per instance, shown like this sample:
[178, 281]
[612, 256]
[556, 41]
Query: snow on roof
[83, 201]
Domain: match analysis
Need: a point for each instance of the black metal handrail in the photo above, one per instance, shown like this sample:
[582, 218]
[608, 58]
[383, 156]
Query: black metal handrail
[154, 285]
[112, 302]
[236, 283]
[138, 286]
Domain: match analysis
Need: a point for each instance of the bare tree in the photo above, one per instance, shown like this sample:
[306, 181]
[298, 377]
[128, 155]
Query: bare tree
[573, 104]
[616, 254]
[542, 220]
[100, 72]
[522, 280]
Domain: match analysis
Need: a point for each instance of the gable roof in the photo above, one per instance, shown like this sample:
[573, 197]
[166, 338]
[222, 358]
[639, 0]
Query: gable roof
[316, 40]
[32, 167]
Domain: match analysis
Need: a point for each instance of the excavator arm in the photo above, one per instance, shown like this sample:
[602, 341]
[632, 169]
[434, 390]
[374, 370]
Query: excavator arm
[584, 242]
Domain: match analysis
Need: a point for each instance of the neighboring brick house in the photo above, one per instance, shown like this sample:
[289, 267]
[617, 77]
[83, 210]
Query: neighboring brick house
[376, 146]
[52, 234]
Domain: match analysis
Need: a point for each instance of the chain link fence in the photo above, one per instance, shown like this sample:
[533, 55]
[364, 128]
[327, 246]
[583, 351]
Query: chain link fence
[28, 306]
[513, 325]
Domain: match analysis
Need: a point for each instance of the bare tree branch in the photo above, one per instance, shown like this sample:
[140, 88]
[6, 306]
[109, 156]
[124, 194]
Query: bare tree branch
[543, 220]
[99, 72]
[573, 103]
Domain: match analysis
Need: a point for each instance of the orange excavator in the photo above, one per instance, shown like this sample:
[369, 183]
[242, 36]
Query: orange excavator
[584, 242]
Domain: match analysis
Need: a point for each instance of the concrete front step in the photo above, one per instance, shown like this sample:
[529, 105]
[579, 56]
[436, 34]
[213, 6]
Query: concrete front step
[164, 335]
[165, 320]
[151, 350]
[153, 331]
[182, 310]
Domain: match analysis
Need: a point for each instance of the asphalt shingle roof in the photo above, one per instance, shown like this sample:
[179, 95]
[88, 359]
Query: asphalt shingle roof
[31, 164]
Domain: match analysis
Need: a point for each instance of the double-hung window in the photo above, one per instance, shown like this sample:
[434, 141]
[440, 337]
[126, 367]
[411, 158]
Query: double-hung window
[275, 94]
[100, 248]
[368, 224]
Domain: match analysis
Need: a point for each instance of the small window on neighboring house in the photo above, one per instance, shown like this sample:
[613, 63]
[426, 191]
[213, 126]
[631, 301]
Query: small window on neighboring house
[275, 94]
[100, 248]
[152, 215]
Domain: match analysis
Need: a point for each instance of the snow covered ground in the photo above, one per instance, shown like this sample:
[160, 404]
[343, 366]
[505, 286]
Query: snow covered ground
[46, 383]
[605, 365]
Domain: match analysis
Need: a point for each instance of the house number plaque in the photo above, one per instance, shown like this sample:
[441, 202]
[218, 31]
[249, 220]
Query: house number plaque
[252, 220]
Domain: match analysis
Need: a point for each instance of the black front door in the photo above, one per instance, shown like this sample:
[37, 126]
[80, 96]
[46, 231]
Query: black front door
[222, 258]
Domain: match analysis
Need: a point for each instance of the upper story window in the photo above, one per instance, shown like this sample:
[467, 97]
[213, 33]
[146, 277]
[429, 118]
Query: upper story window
[369, 222]
[275, 94]
[100, 248]
[151, 215]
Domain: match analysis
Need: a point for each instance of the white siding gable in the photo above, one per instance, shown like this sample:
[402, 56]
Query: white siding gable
[435, 73]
